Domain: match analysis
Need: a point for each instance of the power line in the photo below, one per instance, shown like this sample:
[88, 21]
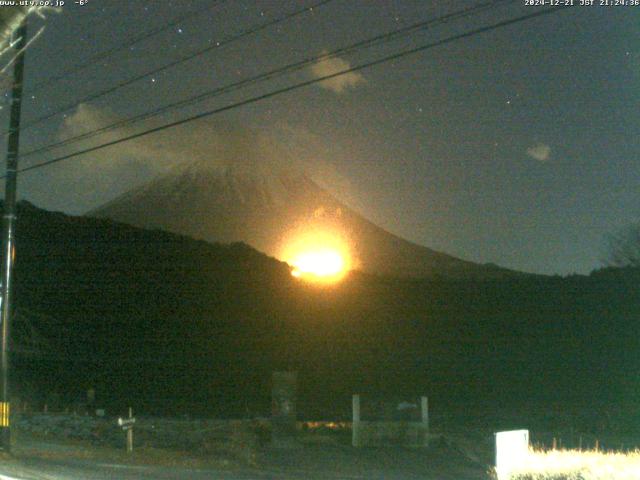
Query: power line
[172, 64]
[296, 86]
[123, 46]
[379, 39]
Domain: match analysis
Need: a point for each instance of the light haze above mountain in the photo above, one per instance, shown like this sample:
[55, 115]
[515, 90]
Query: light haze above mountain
[255, 192]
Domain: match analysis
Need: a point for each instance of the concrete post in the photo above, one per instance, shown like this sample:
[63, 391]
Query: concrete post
[424, 409]
[283, 414]
[355, 426]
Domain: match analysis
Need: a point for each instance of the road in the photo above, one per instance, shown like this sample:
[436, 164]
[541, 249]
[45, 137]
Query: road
[37, 469]
[50, 461]
[55, 470]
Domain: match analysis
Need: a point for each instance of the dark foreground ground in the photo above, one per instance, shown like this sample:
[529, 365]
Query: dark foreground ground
[35, 458]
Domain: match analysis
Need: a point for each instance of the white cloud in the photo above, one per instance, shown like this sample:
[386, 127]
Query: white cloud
[85, 182]
[540, 152]
[332, 65]
[151, 150]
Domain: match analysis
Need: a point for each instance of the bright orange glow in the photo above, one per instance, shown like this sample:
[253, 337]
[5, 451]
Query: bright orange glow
[320, 256]
[321, 263]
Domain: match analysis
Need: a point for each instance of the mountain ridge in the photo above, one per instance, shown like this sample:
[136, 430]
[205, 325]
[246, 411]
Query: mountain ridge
[261, 208]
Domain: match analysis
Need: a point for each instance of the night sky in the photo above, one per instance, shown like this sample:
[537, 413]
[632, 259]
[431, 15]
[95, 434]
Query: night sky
[518, 146]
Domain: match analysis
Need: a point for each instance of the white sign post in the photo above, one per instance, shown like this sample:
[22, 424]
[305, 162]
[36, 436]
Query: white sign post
[512, 448]
[127, 425]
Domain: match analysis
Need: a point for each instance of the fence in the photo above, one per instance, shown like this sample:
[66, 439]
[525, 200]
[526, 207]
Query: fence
[409, 428]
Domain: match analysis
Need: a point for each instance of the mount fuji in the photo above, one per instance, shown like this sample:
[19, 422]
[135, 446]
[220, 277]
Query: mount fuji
[260, 204]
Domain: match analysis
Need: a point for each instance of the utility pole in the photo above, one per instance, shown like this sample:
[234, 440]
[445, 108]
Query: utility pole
[8, 233]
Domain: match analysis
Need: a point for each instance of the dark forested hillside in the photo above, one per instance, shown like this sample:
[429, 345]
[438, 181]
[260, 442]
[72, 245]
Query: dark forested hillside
[173, 325]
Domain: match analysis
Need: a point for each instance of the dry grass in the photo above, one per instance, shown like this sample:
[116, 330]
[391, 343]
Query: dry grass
[579, 465]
